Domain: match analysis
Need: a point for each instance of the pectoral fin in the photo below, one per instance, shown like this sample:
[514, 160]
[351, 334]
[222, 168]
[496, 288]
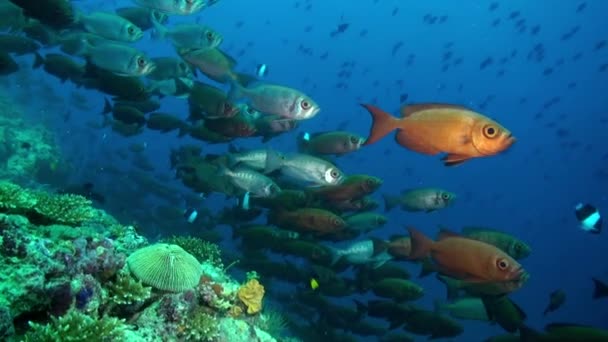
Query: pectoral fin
[454, 159]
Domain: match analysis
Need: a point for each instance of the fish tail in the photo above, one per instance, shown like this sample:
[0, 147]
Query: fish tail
[427, 268]
[236, 90]
[450, 286]
[382, 124]
[107, 107]
[231, 160]
[183, 130]
[38, 60]
[600, 290]
[361, 308]
[390, 202]
[274, 161]
[438, 306]
[160, 31]
[421, 244]
[335, 256]
[244, 79]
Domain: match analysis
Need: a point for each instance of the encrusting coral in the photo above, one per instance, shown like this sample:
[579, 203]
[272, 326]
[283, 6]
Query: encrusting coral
[165, 267]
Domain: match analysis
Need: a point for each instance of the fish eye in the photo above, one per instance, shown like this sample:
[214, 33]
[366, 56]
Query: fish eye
[210, 35]
[502, 264]
[305, 104]
[354, 140]
[141, 61]
[335, 222]
[445, 196]
[131, 30]
[490, 131]
[334, 173]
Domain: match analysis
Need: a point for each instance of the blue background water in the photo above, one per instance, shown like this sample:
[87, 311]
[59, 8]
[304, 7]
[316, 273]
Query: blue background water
[560, 157]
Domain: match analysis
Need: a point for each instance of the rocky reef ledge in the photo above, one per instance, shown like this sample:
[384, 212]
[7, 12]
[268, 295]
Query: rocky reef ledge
[70, 272]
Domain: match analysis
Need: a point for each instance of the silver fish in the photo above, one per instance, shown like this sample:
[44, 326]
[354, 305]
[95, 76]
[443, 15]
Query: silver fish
[118, 58]
[190, 36]
[363, 252]
[179, 7]
[168, 68]
[304, 168]
[110, 26]
[255, 159]
[276, 100]
[252, 182]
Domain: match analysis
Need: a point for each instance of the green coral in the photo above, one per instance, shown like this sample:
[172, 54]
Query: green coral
[201, 249]
[12, 196]
[65, 209]
[43, 207]
[127, 290]
[75, 326]
[200, 326]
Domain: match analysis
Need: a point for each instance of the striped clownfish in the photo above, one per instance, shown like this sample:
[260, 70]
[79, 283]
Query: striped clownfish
[589, 218]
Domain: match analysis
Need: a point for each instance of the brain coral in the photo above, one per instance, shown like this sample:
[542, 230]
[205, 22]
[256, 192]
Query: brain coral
[165, 267]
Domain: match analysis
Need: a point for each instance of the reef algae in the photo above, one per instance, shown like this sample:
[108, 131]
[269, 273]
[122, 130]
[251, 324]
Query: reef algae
[63, 282]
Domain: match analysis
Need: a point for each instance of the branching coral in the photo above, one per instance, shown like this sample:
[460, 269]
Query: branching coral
[76, 326]
[199, 326]
[201, 249]
[65, 208]
[13, 196]
[126, 290]
[44, 207]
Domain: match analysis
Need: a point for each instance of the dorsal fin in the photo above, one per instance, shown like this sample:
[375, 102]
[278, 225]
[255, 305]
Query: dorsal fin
[411, 109]
[444, 233]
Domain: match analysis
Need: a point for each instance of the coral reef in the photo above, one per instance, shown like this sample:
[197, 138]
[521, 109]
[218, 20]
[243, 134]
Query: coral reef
[76, 326]
[199, 248]
[44, 208]
[98, 280]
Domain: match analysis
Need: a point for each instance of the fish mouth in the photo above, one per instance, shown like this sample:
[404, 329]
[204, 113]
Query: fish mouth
[519, 275]
[510, 139]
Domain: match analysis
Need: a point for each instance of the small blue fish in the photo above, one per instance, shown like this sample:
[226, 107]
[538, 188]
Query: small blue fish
[261, 70]
[190, 214]
[589, 217]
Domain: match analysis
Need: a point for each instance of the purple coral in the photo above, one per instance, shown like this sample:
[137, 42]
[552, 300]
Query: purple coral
[61, 299]
[14, 243]
[97, 257]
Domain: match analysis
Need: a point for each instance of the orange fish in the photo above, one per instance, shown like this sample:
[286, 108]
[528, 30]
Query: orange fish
[439, 128]
[466, 259]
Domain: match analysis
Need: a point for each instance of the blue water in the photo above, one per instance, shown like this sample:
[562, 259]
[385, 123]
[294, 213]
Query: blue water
[529, 191]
